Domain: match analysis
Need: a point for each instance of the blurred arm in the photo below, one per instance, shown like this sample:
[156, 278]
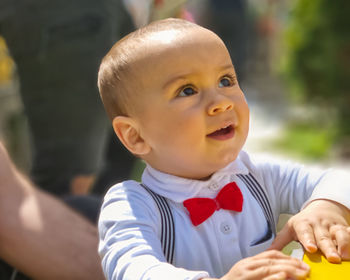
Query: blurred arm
[39, 235]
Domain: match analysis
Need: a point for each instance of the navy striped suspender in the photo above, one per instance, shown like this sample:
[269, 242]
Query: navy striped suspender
[167, 236]
[259, 194]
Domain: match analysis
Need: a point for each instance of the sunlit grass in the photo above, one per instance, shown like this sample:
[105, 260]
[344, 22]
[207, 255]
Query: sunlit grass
[307, 141]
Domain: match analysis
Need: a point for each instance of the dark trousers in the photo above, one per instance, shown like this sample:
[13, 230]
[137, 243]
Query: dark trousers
[57, 46]
[229, 19]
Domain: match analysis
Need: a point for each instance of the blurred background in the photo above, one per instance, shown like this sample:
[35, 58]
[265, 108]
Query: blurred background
[293, 63]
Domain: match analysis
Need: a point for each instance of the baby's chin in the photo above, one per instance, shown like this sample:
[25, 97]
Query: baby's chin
[228, 158]
[225, 161]
[202, 170]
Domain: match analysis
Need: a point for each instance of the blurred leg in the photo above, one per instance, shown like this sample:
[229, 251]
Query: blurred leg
[57, 46]
[87, 205]
[228, 19]
[116, 165]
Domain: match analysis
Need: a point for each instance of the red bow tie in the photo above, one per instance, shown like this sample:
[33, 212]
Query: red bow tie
[200, 209]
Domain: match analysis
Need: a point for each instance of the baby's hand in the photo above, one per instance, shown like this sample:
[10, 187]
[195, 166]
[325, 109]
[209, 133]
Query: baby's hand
[269, 265]
[323, 225]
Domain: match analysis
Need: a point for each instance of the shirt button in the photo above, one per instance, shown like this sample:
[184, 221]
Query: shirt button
[225, 228]
[213, 186]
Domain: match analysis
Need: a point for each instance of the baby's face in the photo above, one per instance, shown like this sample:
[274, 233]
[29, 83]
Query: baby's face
[190, 108]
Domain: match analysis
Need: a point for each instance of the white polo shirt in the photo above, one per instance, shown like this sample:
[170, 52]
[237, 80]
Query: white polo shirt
[129, 224]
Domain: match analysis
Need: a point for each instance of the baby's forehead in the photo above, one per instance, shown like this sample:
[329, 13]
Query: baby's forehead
[173, 51]
[167, 36]
[165, 41]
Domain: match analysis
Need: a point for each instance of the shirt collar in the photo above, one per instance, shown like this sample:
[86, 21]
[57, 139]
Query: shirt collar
[179, 189]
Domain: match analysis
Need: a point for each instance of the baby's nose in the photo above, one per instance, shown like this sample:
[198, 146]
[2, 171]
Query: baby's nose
[220, 105]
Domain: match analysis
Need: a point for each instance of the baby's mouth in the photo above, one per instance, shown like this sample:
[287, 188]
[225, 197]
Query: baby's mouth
[223, 133]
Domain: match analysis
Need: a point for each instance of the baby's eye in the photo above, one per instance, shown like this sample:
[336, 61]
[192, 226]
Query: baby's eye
[226, 82]
[187, 91]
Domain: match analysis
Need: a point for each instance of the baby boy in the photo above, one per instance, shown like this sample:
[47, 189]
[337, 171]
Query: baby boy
[172, 94]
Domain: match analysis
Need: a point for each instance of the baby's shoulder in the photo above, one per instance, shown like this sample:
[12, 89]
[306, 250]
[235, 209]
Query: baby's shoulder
[128, 203]
[266, 164]
[128, 189]
[125, 186]
[130, 193]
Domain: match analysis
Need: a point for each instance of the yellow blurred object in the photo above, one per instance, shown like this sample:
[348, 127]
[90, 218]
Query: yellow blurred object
[6, 64]
[321, 269]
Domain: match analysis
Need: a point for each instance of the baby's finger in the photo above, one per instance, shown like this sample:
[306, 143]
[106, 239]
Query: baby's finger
[326, 244]
[306, 236]
[282, 239]
[342, 237]
[272, 254]
[289, 270]
[289, 261]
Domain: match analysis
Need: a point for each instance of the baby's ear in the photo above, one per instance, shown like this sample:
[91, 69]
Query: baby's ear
[127, 131]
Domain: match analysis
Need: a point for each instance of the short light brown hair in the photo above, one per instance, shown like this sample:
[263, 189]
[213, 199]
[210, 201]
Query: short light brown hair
[115, 70]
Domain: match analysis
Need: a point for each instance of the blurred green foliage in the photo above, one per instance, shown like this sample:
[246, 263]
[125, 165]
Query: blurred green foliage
[317, 60]
[307, 140]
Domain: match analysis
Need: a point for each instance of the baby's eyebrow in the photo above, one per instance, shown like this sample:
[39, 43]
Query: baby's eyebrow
[174, 79]
[185, 76]
[227, 67]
